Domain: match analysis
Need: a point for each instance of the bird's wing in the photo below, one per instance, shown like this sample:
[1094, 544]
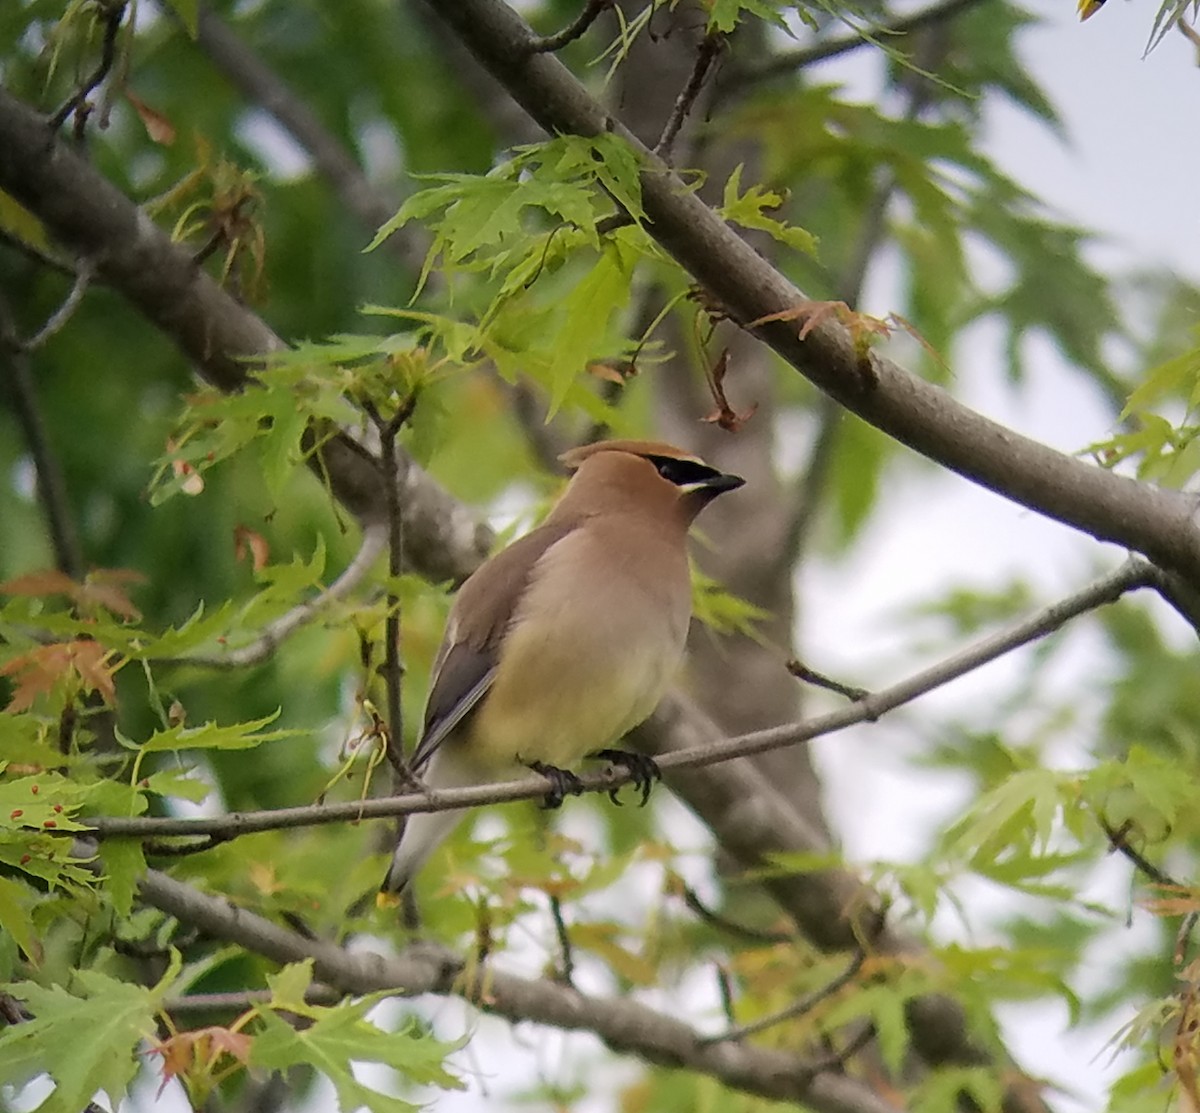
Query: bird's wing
[469, 656]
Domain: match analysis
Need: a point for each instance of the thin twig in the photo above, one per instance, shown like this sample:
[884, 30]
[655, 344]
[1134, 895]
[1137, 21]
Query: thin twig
[707, 53]
[51, 483]
[566, 969]
[837, 1060]
[373, 541]
[792, 60]
[1118, 840]
[725, 991]
[819, 680]
[111, 12]
[806, 1004]
[710, 916]
[1135, 573]
[573, 30]
[83, 277]
[393, 666]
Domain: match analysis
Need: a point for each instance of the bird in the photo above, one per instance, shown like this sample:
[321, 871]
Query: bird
[561, 643]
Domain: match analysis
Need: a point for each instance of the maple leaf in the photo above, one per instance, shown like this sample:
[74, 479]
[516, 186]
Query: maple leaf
[247, 543]
[158, 126]
[38, 671]
[192, 1057]
[100, 588]
[104, 587]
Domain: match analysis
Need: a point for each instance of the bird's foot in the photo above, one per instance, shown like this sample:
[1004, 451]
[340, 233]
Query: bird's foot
[643, 772]
[563, 783]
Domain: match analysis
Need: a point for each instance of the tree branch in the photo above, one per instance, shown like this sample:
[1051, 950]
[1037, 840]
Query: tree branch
[51, 484]
[624, 1025]
[576, 29]
[706, 55]
[1131, 575]
[806, 1004]
[260, 84]
[443, 539]
[109, 13]
[1110, 507]
[374, 540]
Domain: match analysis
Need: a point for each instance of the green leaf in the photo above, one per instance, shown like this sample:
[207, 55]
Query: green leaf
[891, 1030]
[15, 917]
[725, 15]
[750, 210]
[586, 317]
[942, 1090]
[124, 865]
[178, 784]
[1019, 812]
[721, 610]
[289, 985]
[21, 224]
[1177, 375]
[341, 1035]
[102, 1024]
[210, 736]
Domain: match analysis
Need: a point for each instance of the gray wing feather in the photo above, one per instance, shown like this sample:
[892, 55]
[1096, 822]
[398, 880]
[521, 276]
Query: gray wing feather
[466, 667]
[463, 680]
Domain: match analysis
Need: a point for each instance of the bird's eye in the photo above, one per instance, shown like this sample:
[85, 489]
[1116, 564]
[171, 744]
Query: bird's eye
[682, 473]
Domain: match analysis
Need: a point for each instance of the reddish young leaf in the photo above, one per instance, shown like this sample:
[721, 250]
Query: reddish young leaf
[157, 126]
[38, 671]
[247, 543]
[47, 582]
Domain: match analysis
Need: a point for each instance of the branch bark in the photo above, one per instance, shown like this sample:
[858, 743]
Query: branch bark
[675, 724]
[222, 338]
[1110, 507]
[623, 1024]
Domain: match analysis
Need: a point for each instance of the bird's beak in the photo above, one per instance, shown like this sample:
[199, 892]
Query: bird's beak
[1088, 8]
[719, 484]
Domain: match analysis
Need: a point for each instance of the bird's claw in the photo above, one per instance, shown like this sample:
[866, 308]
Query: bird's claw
[563, 783]
[643, 772]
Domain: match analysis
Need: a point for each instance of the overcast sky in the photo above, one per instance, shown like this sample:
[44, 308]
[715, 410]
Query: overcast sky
[1130, 173]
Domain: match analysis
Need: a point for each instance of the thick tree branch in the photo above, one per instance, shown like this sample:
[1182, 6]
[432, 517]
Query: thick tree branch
[1110, 507]
[87, 214]
[624, 1025]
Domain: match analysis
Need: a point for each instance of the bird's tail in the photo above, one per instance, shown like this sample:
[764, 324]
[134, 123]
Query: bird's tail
[424, 831]
[420, 838]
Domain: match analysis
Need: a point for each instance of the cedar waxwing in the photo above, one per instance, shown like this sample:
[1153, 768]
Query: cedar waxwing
[563, 642]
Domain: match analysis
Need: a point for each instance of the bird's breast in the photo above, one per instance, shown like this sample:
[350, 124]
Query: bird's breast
[591, 650]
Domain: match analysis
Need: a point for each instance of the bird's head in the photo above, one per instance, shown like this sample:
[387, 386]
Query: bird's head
[642, 477]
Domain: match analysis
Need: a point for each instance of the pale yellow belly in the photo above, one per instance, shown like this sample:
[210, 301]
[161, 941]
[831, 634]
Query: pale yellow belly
[560, 697]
